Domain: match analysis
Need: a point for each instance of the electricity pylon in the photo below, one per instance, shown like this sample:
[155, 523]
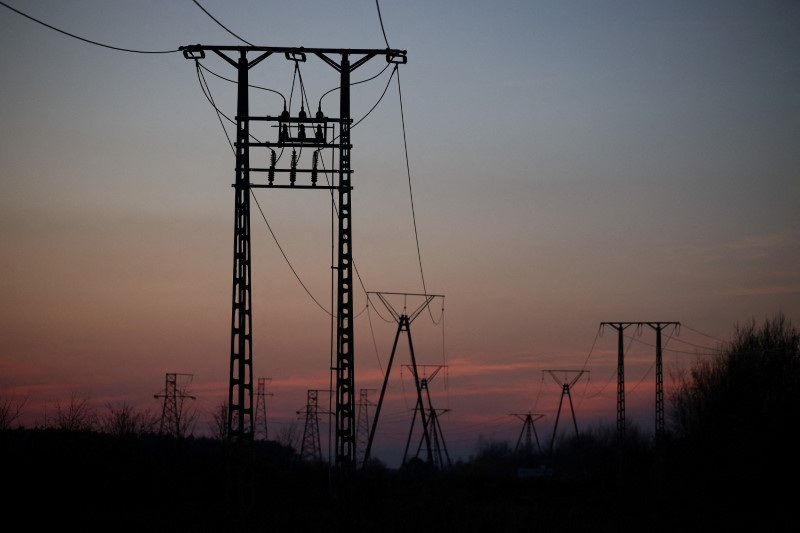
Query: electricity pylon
[172, 411]
[261, 408]
[291, 134]
[620, 327]
[362, 430]
[311, 447]
[403, 319]
[435, 445]
[528, 431]
[566, 386]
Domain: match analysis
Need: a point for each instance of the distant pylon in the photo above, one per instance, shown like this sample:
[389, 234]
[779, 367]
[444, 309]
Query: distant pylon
[566, 386]
[658, 327]
[362, 428]
[528, 431]
[172, 409]
[433, 438]
[261, 409]
[311, 448]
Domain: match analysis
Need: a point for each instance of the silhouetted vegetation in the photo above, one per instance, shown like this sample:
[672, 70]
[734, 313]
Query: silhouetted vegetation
[734, 418]
[721, 466]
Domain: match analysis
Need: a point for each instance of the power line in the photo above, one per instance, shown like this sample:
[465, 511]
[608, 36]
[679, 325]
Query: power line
[354, 83]
[221, 24]
[596, 336]
[701, 333]
[286, 258]
[249, 84]
[207, 93]
[379, 99]
[410, 192]
[673, 349]
[380, 18]
[84, 39]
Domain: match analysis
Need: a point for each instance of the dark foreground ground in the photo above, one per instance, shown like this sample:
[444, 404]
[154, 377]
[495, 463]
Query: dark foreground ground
[57, 481]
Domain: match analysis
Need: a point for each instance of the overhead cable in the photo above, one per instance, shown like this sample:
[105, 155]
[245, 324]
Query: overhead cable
[380, 18]
[87, 40]
[410, 192]
[221, 24]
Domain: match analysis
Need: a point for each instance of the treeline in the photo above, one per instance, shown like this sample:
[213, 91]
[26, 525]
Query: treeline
[723, 464]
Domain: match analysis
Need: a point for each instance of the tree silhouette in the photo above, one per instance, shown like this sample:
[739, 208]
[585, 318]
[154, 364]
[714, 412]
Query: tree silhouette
[76, 415]
[10, 410]
[123, 419]
[219, 421]
[738, 410]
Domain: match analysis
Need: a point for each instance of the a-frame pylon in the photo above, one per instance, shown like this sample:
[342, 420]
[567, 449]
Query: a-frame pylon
[436, 447]
[403, 319]
[528, 431]
[566, 386]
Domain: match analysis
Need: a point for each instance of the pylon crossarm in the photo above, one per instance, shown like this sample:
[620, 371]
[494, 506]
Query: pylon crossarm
[414, 314]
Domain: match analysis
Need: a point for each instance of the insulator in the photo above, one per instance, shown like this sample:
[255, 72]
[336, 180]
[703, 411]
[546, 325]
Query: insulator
[302, 113]
[272, 161]
[284, 113]
[293, 171]
[314, 168]
[301, 133]
[284, 135]
[320, 137]
[320, 116]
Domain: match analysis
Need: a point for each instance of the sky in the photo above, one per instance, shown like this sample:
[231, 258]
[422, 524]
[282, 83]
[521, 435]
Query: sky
[542, 166]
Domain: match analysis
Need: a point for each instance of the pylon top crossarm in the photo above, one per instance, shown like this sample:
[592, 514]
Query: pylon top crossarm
[624, 325]
[533, 416]
[411, 316]
[429, 377]
[570, 383]
[294, 53]
[660, 325]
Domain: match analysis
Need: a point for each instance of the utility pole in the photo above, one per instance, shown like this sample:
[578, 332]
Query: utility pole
[566, 386]
[620, 327]
[291, 134]
[172, 410]
[528, 430]
[403, 319]
[261, 408]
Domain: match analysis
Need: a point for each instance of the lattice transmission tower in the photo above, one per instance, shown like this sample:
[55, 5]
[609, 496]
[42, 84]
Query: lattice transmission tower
[620, 328]
[362, 430]
[173, 411]
[311, 445]
[261, 430]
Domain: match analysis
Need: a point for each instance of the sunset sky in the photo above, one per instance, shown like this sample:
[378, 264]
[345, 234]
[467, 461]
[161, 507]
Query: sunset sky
[571, 162]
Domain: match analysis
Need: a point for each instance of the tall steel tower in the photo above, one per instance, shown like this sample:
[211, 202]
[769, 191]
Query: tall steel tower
[311, 447]
[362, 430]
[172, 410]
[261, 408]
